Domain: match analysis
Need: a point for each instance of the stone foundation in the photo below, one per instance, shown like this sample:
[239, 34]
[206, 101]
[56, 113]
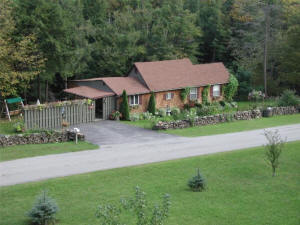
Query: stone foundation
[39, 138]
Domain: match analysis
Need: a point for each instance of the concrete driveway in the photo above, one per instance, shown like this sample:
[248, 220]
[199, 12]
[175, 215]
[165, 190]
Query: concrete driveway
[108, 132]
[121, 155]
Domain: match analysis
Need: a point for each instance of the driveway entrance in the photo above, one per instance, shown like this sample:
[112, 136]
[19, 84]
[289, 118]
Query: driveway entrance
[107, 132]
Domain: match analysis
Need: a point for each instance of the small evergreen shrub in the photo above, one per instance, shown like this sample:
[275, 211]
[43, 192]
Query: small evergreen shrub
[152, 104]
[205, 94]
[289, 98]
[124, 107]
[43, 211]
[197, 183]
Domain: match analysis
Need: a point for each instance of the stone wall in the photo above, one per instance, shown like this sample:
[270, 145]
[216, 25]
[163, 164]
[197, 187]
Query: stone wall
[39, 138]
[222, 118]
[285, 110]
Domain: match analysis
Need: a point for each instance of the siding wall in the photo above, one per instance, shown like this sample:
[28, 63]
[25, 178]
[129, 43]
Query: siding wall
[109, 105]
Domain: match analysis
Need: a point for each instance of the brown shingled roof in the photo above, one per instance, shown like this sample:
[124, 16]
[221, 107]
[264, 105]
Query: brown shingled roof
[88, 92]
[118, 84]
[176, 74]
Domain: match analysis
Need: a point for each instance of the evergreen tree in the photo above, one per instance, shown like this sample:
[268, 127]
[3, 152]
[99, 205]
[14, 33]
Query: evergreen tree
[124, 107]
[152, 104]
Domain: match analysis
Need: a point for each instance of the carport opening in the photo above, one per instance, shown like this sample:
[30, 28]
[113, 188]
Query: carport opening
[99, 108]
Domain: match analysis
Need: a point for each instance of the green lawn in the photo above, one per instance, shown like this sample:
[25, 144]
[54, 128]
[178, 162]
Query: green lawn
[240, 190]
[7, 127]
[236, 126]
[22, 151]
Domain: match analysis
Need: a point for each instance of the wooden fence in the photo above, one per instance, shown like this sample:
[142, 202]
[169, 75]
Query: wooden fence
[54, 115]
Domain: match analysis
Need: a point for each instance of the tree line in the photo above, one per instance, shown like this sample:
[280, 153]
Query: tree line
[44, 43]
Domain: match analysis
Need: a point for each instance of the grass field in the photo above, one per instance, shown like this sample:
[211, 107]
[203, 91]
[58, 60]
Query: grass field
[240, 190]
[236, 126]
[22, 151]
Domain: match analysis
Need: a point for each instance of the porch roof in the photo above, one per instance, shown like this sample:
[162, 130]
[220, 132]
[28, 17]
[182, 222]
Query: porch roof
[88, 92]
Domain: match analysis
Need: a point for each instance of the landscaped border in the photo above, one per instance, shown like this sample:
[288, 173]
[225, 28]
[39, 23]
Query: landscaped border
[222, 118]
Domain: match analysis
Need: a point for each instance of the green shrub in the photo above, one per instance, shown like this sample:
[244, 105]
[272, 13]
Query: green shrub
[147, 116]
[231, 88]
[184, 93]
[205, 94]
[43, 211]
[222, 103]
[19, 126]
[273, 149]
[197, 183]
[143, 213]
[206, 110]
[175, 113]
[134, 117]
[124, 107]
[289, 98]
[162, 112]
[152, 104]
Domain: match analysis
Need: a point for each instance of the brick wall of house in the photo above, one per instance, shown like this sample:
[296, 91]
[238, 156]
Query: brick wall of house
[162, 102]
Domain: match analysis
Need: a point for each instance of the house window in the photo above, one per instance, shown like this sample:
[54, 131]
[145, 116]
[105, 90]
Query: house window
[169, 96]
[216, 91]
[134, 100]
[193, 94]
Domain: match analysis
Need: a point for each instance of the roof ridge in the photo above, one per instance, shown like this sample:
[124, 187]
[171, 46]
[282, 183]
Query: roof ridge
[166, 60]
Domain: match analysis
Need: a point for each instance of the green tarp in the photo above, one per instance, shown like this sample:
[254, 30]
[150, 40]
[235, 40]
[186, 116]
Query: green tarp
[14, 100]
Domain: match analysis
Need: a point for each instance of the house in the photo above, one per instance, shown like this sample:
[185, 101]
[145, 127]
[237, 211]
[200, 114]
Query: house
[165, 78]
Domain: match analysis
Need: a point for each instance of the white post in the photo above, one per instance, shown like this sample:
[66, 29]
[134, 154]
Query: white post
[76, 138]
[7, 110]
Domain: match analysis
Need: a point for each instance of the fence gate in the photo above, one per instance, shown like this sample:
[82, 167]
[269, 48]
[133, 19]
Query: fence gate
[55, 115]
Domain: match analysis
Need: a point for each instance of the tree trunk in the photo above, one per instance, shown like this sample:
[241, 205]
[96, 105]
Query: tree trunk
[46, 91]
[273, 171]
[25, 96]
[266, 48]
[66, 83]
[39, 87]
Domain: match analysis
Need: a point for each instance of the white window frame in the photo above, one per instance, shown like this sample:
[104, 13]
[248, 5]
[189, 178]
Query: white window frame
[217, 90]
[169, 96]
[193, 93]
[134, 100]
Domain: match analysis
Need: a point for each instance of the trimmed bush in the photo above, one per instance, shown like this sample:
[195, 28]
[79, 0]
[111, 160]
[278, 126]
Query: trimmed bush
[289, 98]
[43, 211]
[197, 183]
[152, 104]
[124, 107]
